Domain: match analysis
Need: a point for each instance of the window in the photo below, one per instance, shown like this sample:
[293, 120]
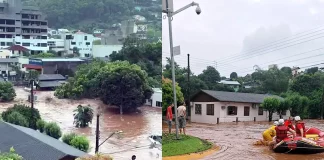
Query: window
[198, 109]
[284, 113]
[9, 43]
[26, 44]
[85, 38]
[73, 43]
[43, 44]
[232, 110]
[18, 43]
[3, 44]
[87, 55]
[158, 104]
[87, 43]
[7, 56]
[247, 111]
[260, 111]
[210, 109]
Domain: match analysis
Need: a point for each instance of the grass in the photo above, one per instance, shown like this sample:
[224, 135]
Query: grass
[186, 144]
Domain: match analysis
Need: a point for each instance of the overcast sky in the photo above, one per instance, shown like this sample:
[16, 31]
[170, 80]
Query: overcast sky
[235, 35]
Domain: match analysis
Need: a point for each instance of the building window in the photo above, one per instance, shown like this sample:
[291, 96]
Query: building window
[232, 110]
[85, 38]
[43, 44]
[7, 56]
[260, 111]
[26, 44]
[9, 43]
[158, 104]
[3, 43]
[87, 43]
[198, 109]
[210, 109]
[73, 43]
[247, 111]
[87, 55]
[18, 43]
[284, 113]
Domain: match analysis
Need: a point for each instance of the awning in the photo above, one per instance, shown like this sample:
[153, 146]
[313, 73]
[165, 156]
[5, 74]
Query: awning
[31, 66]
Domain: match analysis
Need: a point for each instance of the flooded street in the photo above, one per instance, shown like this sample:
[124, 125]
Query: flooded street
[136, 127]
[236, 141]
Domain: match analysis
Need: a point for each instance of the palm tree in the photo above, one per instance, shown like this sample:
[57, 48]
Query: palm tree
[83, 116]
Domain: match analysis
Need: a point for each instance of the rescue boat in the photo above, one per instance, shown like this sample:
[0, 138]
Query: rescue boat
[300, 145]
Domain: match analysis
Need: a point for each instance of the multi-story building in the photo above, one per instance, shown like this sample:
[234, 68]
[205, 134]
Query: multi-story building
[25, 26]
[82, 41]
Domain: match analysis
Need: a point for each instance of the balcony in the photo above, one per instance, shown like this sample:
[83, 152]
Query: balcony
[34, 26]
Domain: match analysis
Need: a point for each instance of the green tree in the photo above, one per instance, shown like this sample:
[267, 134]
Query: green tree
[17, 119]
[83, 116]
[43, 55]
[67, 138]
[287, 70]
[7, 92]
[283, 107]
[81, 143]
[11, 155]
[167, 96]
[32, 74]
[271, 104]
[233, 75]
[210, 76]
[312, 70]
[53, 130]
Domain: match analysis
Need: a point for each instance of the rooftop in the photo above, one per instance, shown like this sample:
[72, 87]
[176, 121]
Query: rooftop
[50, 77]
[229, 82]
[34, 145]
[159, 90]
[17, 48]
[60, 59]
[235, 96]
[45, 84]
[8, 60]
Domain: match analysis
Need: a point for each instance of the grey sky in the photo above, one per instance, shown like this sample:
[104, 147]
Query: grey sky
[228, 28]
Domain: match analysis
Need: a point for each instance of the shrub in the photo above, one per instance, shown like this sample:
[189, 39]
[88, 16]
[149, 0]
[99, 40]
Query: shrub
[81, 143]
[24, 110]
[67, 138]
[53, 130]
[18, 119]
[12, 155]
[7, 92]
[40, 124]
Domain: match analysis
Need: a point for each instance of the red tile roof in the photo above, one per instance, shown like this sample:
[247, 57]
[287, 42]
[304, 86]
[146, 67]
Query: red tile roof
[17, 48]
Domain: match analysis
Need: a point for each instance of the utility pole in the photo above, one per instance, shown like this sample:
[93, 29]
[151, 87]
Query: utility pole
[33, 125]
[188, 88]
[97, 134]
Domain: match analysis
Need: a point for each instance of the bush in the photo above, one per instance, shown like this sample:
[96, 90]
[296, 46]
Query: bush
[24, 110]
[67, 138]
[17, 119]
[12, 155]
[7, 92]
[81, 143]
[40, 124]
[53, 130]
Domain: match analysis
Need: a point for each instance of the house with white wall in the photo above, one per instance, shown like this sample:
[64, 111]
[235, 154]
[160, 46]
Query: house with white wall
[156, 98]
[211, 106]
[233, 84]
[104, 50]
[83, 41]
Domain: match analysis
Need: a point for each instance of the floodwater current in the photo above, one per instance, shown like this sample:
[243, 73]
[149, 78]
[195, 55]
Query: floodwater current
[236, 141]
[135, 127]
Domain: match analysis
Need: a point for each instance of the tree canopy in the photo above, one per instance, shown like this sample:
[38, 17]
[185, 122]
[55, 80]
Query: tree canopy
[167, 96]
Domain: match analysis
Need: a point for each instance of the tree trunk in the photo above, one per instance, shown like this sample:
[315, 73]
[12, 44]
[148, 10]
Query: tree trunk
[270, 116]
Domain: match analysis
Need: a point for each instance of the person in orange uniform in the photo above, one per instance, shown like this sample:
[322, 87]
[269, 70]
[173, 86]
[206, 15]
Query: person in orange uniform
[289, 123]
[282, 130]
[269, 134]
[300, 127]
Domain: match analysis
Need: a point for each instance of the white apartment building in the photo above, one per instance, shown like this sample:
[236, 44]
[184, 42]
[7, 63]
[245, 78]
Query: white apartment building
[83, 41]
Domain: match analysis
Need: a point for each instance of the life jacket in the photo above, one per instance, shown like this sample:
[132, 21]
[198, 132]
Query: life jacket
[289, 124]
[304, 129]
[281, 133]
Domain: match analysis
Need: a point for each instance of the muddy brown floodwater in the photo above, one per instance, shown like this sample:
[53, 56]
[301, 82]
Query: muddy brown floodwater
[236, 141]
[136, 127]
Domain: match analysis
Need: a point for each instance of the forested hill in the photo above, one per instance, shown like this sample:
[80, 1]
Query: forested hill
[85, 14]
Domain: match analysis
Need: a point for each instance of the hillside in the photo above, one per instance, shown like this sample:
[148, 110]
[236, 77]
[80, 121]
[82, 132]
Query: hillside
[89, 14]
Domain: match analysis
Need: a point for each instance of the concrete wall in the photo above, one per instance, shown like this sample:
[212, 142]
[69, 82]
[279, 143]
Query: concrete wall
[104, 50]
[157, 96]
[222, 113]
[4, 53]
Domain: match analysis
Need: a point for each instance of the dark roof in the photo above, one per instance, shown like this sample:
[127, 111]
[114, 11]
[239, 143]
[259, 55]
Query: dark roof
[236, 97]
[45, 84]
[8, 60]
[48, 77]
[33, 145]
[17, 48]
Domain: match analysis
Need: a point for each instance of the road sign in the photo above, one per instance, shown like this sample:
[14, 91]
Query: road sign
[176, 50]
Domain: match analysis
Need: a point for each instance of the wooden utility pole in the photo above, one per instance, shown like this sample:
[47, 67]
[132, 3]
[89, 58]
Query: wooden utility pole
[33, 125]
[188, 88]
[97, 134]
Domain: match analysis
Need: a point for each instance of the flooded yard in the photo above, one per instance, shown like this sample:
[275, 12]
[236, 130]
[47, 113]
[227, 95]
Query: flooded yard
[136, 127]
[236, 140]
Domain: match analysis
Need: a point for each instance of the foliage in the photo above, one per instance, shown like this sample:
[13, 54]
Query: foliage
[31, 115]
[7, 92]
[167, 96]
[187, 144]
[17, 119]
[83, 116]
[283, 107]
[299, 105]
[53, 130]
[312, 70]
[11, 155]
[40, 124]
[43, 55]
[270, 104]
[32, 74]
[81, 143]
[233, 75]
[67, 138]
[210, 76]
[117, 83]
[98, 156]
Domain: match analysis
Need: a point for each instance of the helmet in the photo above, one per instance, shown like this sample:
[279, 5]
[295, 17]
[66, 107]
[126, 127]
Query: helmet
[276, 123]
[281, 121]
[297, 118]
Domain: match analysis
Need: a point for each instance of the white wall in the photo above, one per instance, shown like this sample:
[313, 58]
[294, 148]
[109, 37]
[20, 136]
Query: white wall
[4, 53]
[33, 43]
[104, 50]
[81, 43]
[156, 96]
[22, 61]
[223, 116]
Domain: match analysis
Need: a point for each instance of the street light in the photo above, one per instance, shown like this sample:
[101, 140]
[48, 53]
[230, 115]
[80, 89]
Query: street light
[170, 14]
